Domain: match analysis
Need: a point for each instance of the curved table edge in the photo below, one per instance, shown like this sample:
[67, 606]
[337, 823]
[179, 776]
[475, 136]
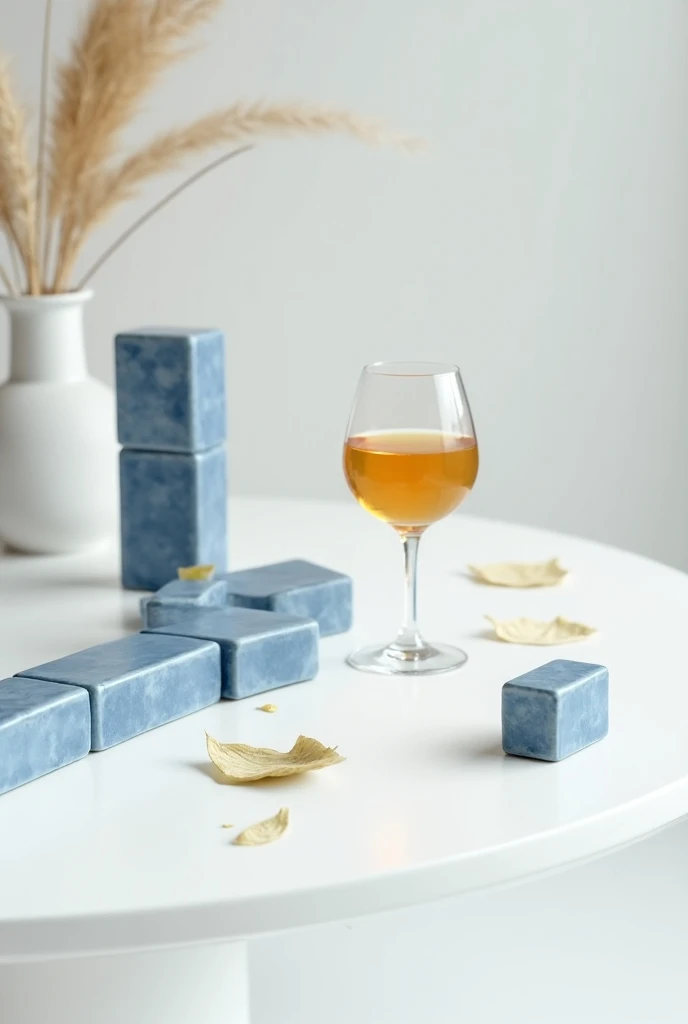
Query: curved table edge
[206, 924]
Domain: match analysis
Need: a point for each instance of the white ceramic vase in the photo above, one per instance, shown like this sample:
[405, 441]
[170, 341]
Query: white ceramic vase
[58, 447]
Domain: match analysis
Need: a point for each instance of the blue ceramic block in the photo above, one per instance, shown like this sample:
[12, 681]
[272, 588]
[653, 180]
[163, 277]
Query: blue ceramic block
[176, 599]
[295, 588]
[42, 727]
[171, 389]
[173, 512]
[555, 710]
[260, 650]
[138, 683]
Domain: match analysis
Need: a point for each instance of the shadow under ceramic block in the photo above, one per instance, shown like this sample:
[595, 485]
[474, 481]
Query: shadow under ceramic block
[464, 749]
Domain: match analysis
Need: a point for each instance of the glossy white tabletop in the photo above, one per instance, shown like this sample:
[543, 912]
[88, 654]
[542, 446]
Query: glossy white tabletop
[124, 849]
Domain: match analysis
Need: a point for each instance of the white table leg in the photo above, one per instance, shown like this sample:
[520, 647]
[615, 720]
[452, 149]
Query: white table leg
[175, 986]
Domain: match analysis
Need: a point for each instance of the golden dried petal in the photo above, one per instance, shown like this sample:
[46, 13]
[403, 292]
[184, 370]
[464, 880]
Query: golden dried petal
[520, 574]
[196, 572]
[530, 631]
[270, 708]
[264, 831]
[227, 826]
[239, 762]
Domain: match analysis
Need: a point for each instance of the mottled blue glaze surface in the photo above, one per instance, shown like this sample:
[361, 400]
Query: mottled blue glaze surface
[260, 650]
[296, 588]
[176, 599]
[555, 710]
[171, 388]
[42, 727]
[173, 512]
[139, 682]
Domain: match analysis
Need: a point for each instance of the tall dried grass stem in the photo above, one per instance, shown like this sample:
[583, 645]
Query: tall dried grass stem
[167, 151]
[118, 56]
[121, 239]
[17, 180]
[42, 235]
[120, 50]
[7, 282]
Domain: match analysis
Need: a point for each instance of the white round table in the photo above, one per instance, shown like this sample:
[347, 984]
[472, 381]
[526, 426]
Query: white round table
[122, 900]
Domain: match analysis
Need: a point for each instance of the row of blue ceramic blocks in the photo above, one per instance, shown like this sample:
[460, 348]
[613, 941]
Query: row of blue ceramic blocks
[202, 650]
[171, 421]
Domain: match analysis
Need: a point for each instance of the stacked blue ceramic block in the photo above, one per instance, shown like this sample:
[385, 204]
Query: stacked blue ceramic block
[171, 417]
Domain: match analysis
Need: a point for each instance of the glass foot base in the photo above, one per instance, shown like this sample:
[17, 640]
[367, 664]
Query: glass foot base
[425, 661]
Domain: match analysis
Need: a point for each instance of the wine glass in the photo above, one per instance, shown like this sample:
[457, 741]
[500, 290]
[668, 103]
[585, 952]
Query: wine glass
[410, 458]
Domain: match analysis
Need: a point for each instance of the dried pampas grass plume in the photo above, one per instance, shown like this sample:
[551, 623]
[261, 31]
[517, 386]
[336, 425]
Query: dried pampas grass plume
[119, 53]
[17, 187]
[240, 122]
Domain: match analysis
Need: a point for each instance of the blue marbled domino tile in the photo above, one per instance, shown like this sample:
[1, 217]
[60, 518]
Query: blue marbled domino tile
[138, 683]
[555, 710]
[171, 388]
[173, 512]
[260, 650]
[42, 727]
[296, 588]
[176, 599]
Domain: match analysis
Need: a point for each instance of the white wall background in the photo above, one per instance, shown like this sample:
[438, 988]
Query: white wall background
[542, 243]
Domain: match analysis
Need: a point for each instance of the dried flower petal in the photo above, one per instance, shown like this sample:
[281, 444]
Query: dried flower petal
[196, 572]
[530, 631]
[269, 708]
[520, 574]
[264, 831]
[239, 762]
[227, 826]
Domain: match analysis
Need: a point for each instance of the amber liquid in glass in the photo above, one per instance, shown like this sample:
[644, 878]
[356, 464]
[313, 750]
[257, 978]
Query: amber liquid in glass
[411, 478]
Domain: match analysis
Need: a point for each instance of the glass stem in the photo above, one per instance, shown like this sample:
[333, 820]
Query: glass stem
[409, 641]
